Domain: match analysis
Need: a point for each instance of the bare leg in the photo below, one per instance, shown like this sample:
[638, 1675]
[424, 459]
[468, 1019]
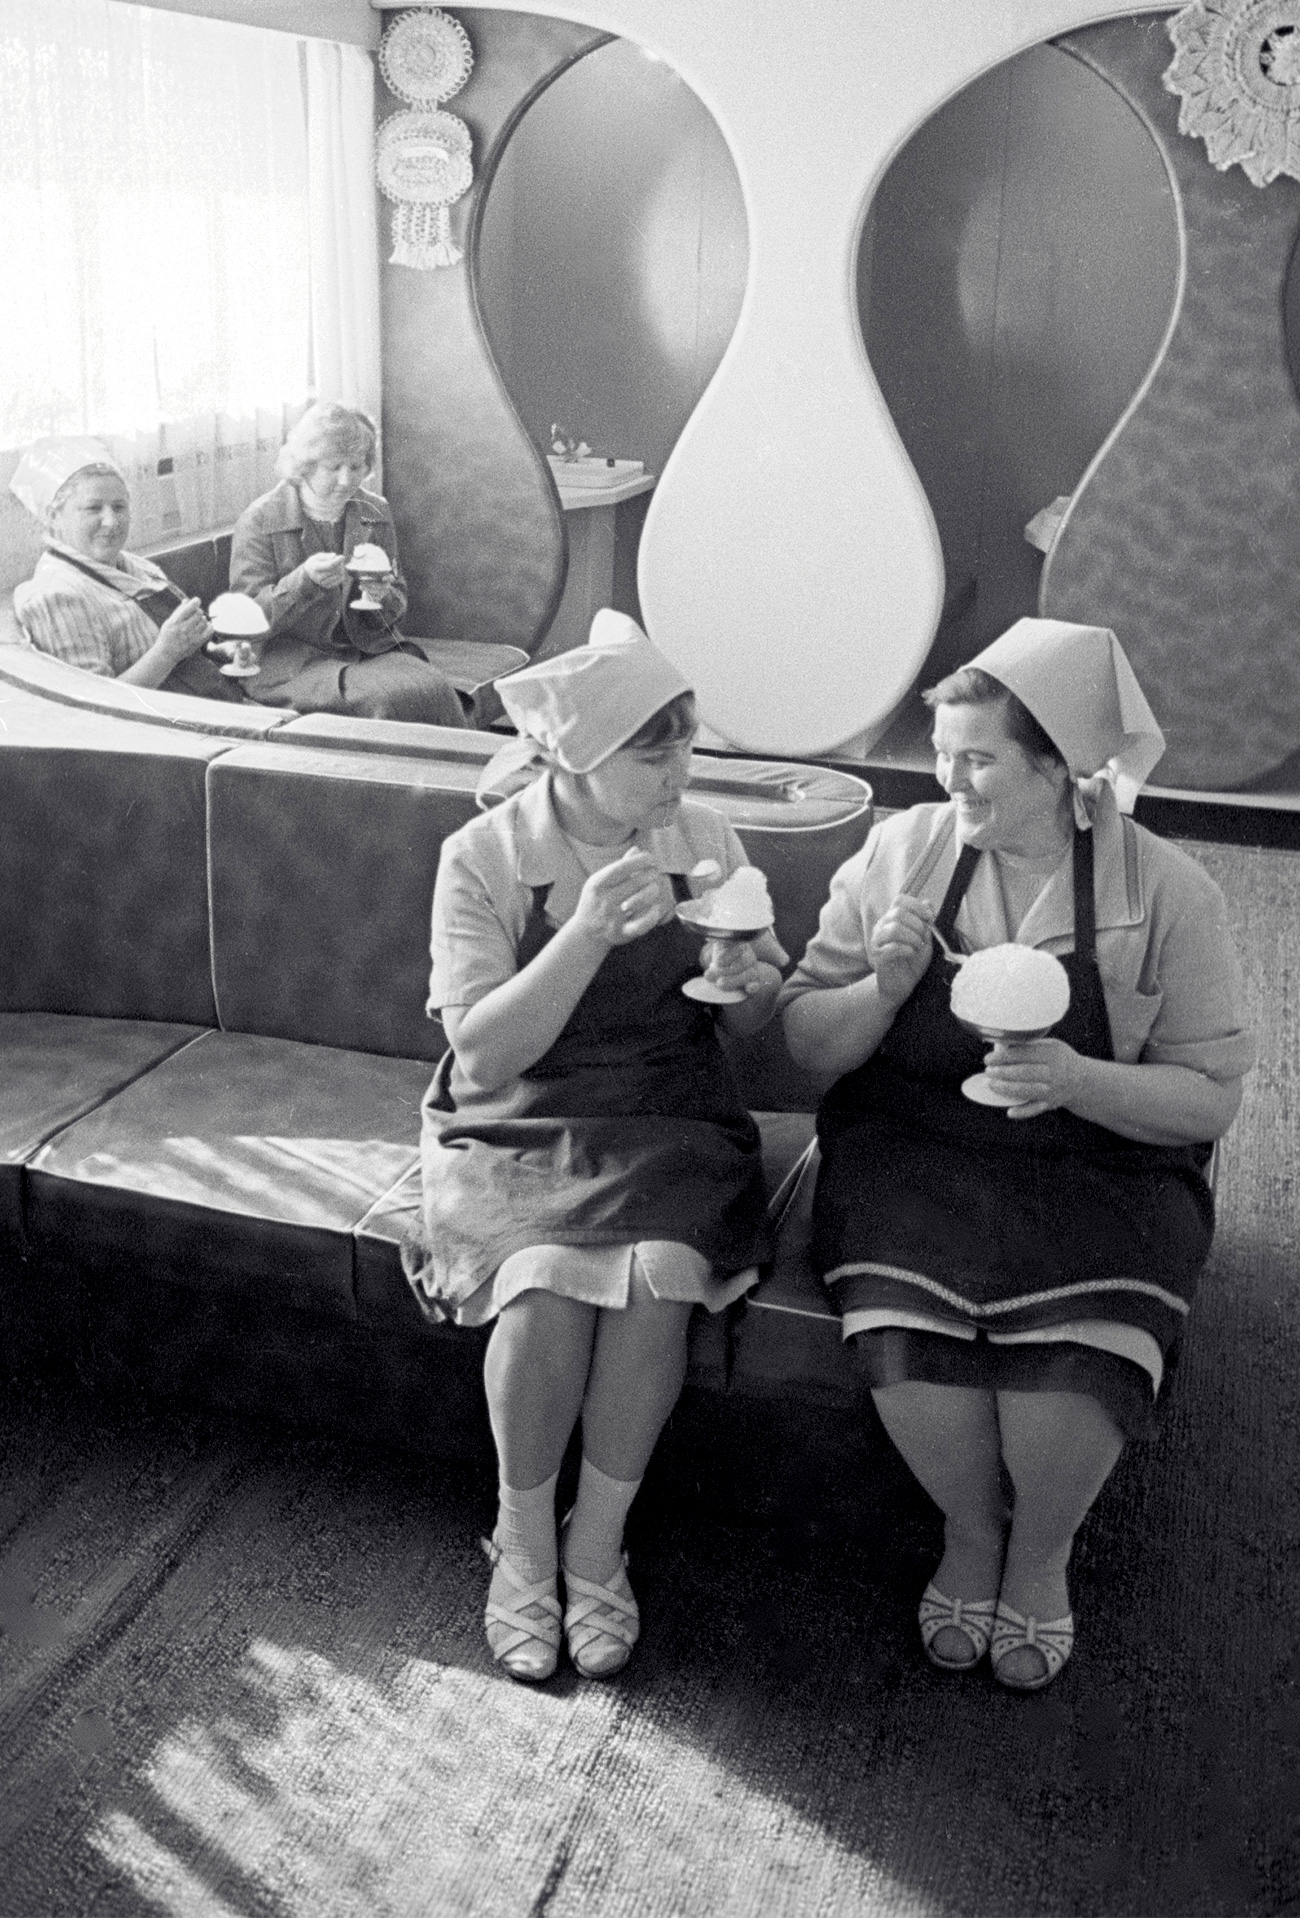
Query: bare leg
[949, 1436]
[1060, 1448]
[638, 1367]
[536, 1372]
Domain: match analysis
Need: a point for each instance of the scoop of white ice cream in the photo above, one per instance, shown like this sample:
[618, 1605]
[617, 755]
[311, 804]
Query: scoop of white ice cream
[236, 613]
[1011, 989]
[740, 904]
[369, 559]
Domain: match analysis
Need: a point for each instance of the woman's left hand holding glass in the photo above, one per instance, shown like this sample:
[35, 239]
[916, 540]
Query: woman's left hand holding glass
[1039, 1075]
[733, 966]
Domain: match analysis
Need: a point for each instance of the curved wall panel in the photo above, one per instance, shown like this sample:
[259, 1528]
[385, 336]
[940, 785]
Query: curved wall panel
[1182, 535]
[789, 560]
[478, 519]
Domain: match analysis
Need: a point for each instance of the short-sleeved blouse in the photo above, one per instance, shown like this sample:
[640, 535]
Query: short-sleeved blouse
[1168, 966]
[487, 876]
[488, 871]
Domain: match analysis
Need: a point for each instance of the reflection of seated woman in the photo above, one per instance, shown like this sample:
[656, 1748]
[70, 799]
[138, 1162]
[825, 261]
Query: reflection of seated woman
[290, 552]
[89, 602]
[1015, 1281]
[589, 1170]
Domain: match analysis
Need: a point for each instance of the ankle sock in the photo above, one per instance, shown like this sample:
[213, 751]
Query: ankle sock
[525, 1528]
[593, 1538]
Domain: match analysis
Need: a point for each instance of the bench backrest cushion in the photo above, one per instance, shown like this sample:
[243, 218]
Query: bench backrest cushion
[103, 881]
[322, 867]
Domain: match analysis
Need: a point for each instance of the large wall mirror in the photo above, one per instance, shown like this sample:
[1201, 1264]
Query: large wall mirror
[1016, 276]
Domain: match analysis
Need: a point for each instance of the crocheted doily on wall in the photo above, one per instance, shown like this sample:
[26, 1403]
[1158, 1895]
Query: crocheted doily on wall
[1236, 69]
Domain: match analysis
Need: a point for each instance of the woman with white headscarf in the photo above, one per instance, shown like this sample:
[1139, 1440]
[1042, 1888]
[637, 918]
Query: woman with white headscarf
[90, 602]
[590, 1173]
[1016, 1276]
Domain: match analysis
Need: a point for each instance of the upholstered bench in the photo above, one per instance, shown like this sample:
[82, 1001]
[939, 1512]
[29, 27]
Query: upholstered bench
[213, 965]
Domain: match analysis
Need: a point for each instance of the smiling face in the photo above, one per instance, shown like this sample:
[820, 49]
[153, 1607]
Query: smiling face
[1006, 798]
[636, 789]
[93, 517]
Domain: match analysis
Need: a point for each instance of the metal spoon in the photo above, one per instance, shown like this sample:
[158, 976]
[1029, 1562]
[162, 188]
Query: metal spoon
[953, 958]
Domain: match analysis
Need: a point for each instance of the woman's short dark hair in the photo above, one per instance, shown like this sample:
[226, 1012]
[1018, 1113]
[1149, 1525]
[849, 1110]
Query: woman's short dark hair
[971, 686]
[673, 722]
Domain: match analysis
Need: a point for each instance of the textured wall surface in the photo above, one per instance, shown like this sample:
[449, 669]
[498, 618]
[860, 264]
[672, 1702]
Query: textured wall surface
[478, 521]
[1182, 536]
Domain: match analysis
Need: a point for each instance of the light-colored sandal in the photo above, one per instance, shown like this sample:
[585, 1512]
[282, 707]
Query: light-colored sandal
[601, 1623]
[1052, 1639]
[972, 1617]
[529, 1642]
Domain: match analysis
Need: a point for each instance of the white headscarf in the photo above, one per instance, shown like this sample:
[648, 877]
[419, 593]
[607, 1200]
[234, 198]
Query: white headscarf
[47, 466]
[1079, 686]
[580, 707]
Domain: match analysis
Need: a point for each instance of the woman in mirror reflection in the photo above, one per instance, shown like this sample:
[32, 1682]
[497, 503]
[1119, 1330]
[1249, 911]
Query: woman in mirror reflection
[590, 1174]
[1015, 1277]
[90, 602]
[290, 553]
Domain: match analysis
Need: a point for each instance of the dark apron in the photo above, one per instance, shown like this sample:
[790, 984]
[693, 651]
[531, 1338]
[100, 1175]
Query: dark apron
[1010, 1225]
[199, 675]
[629, 1128]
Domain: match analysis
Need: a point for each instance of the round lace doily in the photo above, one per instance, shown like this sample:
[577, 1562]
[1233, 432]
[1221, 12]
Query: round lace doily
[1236, 70]
[425, 57]
[423, 163]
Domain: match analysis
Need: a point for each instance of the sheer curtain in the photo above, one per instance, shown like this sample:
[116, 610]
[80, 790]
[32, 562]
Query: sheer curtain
[188, 230]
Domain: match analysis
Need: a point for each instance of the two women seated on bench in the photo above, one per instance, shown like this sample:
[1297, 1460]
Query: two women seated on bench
[95, 605]
[1015, 1277]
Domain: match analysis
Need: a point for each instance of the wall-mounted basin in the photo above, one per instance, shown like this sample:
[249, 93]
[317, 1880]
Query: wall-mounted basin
[593, 471]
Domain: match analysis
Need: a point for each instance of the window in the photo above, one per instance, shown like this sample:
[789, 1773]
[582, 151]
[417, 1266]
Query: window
[173, 280]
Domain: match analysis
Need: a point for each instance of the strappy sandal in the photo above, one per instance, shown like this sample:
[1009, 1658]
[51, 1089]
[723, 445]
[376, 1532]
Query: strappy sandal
[601, 1623]
[1053, 1641]
[972, 1617]
[529, 1646]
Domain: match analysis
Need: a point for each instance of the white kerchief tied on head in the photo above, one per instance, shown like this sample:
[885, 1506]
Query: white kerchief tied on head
[48, 465]
[1079, 686]
[580, 707]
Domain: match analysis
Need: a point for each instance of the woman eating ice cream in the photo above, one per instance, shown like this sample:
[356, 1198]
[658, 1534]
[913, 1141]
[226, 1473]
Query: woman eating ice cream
[304, 551]
[590, 1173]
[1016, 1276]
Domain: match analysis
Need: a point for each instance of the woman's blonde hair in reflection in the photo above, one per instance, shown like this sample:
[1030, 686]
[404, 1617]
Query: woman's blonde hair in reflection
[327, 427]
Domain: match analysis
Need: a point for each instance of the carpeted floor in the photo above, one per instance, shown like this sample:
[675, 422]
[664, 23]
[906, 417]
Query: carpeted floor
[241, 1672]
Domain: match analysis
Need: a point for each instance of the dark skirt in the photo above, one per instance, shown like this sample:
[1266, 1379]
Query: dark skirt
[895, 1355]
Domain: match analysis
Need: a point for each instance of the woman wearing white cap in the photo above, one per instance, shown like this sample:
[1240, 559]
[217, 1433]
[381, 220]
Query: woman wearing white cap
[590, 1173]
[91, 603]
[1016, 1279]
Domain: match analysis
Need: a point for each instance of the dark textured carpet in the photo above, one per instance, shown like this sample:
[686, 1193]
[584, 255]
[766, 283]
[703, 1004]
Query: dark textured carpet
[242, 1672]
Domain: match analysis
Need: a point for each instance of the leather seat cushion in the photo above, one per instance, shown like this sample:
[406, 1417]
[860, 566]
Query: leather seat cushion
[240, 1163]
[54, 1068]
[788, 1342]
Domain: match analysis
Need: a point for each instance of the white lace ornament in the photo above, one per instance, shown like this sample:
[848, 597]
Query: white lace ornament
[424, 157]
[1236, 70]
